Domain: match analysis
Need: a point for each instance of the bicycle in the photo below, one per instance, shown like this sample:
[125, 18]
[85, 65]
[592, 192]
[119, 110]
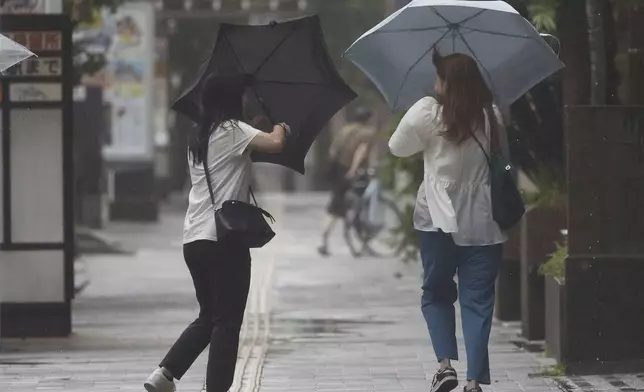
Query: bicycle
[372, 220]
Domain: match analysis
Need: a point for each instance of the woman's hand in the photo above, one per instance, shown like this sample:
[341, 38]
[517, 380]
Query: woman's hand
[290, 133]
[286, 128]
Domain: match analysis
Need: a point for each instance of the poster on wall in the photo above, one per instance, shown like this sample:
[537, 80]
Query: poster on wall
[131, 81]
[96, 39]
[161, 134]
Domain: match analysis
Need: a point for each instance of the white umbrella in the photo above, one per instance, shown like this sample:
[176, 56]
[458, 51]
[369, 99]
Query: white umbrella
[397, 53]
[11, 53]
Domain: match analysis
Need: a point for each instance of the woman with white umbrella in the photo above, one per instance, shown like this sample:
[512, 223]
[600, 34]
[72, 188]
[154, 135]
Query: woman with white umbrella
[468, 197]
[453, 216]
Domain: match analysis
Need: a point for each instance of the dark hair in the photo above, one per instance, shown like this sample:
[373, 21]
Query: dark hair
[464, 98]
[221, 105]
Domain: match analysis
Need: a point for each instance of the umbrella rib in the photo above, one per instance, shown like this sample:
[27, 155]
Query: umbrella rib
[409, 30]
[261, 102]
[275, 49]
[471, 17]
[232, 49]
[459, 24]
[478, 61]
[497, 33]
[440, 16]
[415, 64]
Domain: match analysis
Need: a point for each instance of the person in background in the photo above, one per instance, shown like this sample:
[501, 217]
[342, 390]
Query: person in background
[220, 269]
[348, 154]
[453, 215]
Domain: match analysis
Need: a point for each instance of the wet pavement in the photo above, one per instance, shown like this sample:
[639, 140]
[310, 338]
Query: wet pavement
[345, 324]
[313, 323]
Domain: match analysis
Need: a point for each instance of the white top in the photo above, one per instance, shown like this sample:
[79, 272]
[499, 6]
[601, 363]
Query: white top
[455, 194]
[230, 172]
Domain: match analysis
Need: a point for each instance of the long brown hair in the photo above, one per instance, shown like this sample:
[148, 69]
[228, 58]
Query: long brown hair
[464, 97]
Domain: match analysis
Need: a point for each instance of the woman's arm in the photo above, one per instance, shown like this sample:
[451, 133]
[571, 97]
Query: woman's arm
[410, 136]
[270, 142]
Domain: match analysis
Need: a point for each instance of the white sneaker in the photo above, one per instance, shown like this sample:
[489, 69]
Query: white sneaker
[158, 382]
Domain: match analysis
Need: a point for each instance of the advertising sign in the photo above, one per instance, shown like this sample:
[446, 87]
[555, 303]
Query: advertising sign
[161, 135]
[131, 83]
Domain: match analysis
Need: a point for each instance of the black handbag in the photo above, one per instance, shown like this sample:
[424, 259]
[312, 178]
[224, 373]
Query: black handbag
[239, 222]
[507, 204]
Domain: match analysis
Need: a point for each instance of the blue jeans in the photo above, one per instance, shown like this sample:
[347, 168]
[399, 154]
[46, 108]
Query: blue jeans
[477, 268]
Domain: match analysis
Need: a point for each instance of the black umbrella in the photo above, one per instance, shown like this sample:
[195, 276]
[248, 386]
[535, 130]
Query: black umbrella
[290, 75]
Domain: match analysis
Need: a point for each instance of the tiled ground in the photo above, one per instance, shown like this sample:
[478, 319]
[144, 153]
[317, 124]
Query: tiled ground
[338, 324]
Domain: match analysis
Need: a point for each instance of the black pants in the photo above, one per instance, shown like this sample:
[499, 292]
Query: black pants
[337, 176]
[221, 276]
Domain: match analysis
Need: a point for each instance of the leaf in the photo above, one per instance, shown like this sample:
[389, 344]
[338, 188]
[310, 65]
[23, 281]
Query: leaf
[544, 15]
[556, 265]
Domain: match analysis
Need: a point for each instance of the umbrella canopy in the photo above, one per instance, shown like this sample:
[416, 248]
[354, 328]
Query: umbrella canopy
[396, 54]
[290, 77]
[11, 53]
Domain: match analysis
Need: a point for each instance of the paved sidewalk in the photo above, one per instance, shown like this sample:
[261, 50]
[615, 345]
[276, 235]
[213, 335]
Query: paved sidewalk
[344, 324]
[325, 324]
[133, 309]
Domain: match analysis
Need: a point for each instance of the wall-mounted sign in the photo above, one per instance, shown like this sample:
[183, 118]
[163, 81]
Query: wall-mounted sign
[38, 41]
[36, 92]
[37, 66]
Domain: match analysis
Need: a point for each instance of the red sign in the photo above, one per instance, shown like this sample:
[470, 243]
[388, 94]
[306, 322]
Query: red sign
[38, 41]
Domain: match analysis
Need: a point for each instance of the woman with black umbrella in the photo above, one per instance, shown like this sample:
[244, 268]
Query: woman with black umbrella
[220, 269]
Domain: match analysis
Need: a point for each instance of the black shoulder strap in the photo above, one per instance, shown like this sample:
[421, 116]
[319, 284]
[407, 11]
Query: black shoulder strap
[208, 181]
[487, 124]
[250, 192]
[487, 157]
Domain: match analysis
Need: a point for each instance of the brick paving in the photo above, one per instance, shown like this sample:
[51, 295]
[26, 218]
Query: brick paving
[337, 324]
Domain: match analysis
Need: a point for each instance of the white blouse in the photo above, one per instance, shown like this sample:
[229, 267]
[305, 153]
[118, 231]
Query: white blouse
[455, 194]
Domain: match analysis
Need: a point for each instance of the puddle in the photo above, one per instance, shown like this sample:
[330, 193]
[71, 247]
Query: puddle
[21, 363]
[321, 326]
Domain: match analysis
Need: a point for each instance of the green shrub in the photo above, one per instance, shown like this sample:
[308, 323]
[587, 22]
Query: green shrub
[556, 265]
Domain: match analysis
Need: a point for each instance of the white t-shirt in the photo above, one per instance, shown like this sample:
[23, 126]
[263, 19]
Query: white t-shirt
[455, 195]
[230, 167]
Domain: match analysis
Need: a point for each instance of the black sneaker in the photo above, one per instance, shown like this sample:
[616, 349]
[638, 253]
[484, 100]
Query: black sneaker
[477, 389]
[445, 380]
[323, 250]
